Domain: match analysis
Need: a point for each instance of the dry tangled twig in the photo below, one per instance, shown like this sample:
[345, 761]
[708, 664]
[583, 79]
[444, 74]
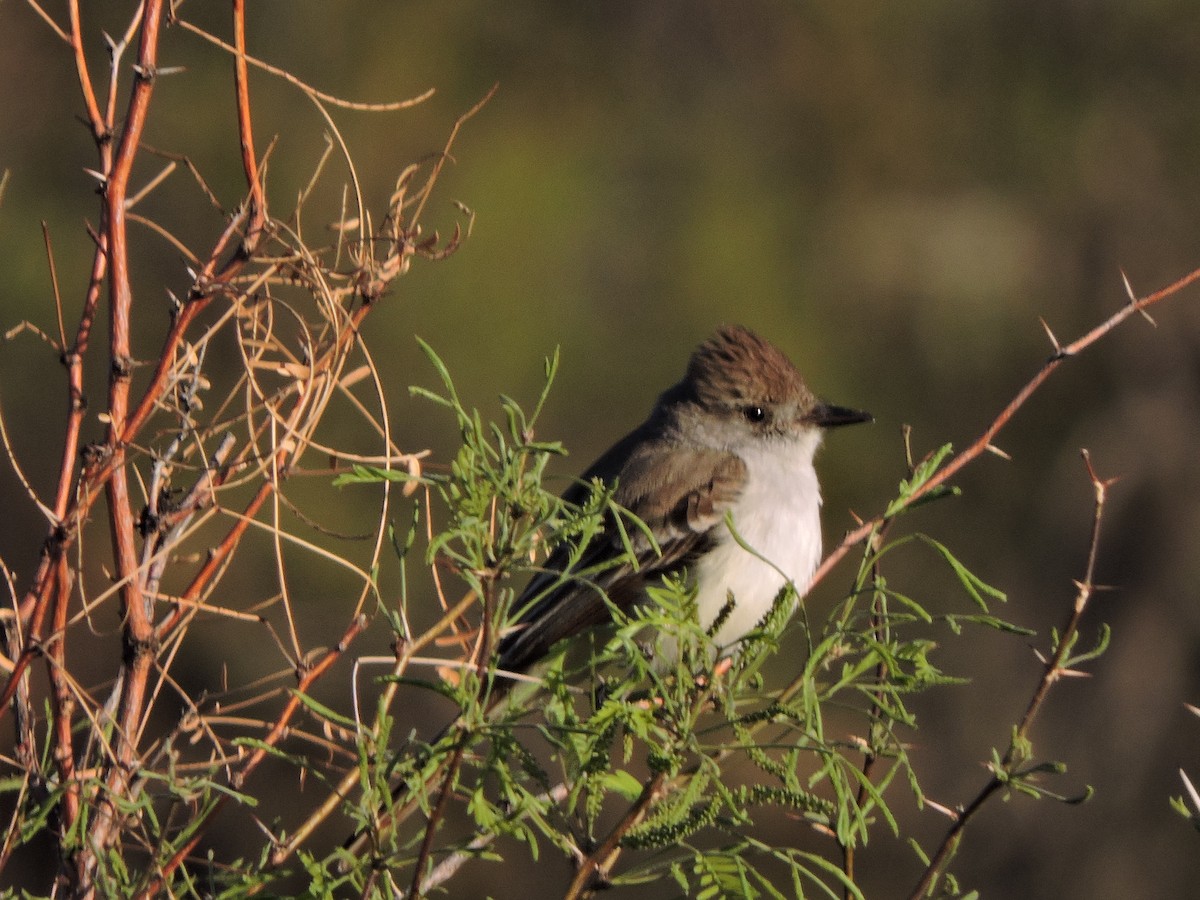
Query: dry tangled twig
[198, 449]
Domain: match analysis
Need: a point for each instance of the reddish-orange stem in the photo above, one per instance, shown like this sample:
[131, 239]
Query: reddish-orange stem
[980, 445]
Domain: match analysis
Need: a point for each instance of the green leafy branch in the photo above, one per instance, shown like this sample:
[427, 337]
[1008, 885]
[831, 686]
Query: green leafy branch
[648, 758]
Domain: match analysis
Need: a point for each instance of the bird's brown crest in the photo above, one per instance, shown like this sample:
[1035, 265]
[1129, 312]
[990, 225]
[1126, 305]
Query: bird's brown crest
[737, 366]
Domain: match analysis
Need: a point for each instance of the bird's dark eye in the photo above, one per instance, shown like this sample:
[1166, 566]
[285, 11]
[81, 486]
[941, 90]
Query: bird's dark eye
[754, 413]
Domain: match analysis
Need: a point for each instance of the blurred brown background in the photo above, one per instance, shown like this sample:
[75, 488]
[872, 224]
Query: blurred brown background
[893, 193]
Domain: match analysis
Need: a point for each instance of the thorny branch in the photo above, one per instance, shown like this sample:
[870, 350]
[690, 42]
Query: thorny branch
[136, 613]
[1054, 669]
[112, 769]
[1135, 306]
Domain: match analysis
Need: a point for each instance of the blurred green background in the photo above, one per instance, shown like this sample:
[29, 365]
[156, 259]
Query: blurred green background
[893, 193]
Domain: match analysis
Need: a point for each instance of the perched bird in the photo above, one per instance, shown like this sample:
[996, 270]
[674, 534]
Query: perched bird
[737, 435]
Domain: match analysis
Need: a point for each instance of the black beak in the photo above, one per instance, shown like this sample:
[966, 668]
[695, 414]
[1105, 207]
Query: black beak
[829, 416]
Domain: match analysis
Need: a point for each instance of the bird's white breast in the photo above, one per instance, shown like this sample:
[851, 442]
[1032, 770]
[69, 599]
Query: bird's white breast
[778, 515]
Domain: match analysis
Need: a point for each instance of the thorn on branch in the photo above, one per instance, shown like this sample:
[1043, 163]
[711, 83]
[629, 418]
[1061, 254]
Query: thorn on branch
[1100, 485]
[952, 814]
[992, 448]
[1059, 352]
[1193, 795]
[1133, 300]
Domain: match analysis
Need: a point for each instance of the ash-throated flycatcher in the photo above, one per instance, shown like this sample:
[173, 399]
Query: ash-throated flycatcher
[737, 435]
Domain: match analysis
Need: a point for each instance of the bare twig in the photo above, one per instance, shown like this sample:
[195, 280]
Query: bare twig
[258, 203]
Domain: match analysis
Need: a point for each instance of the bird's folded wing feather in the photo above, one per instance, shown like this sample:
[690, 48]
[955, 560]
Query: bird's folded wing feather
[680, 494]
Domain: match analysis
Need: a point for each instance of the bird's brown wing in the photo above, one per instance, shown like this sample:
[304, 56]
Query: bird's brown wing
[680, 494]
